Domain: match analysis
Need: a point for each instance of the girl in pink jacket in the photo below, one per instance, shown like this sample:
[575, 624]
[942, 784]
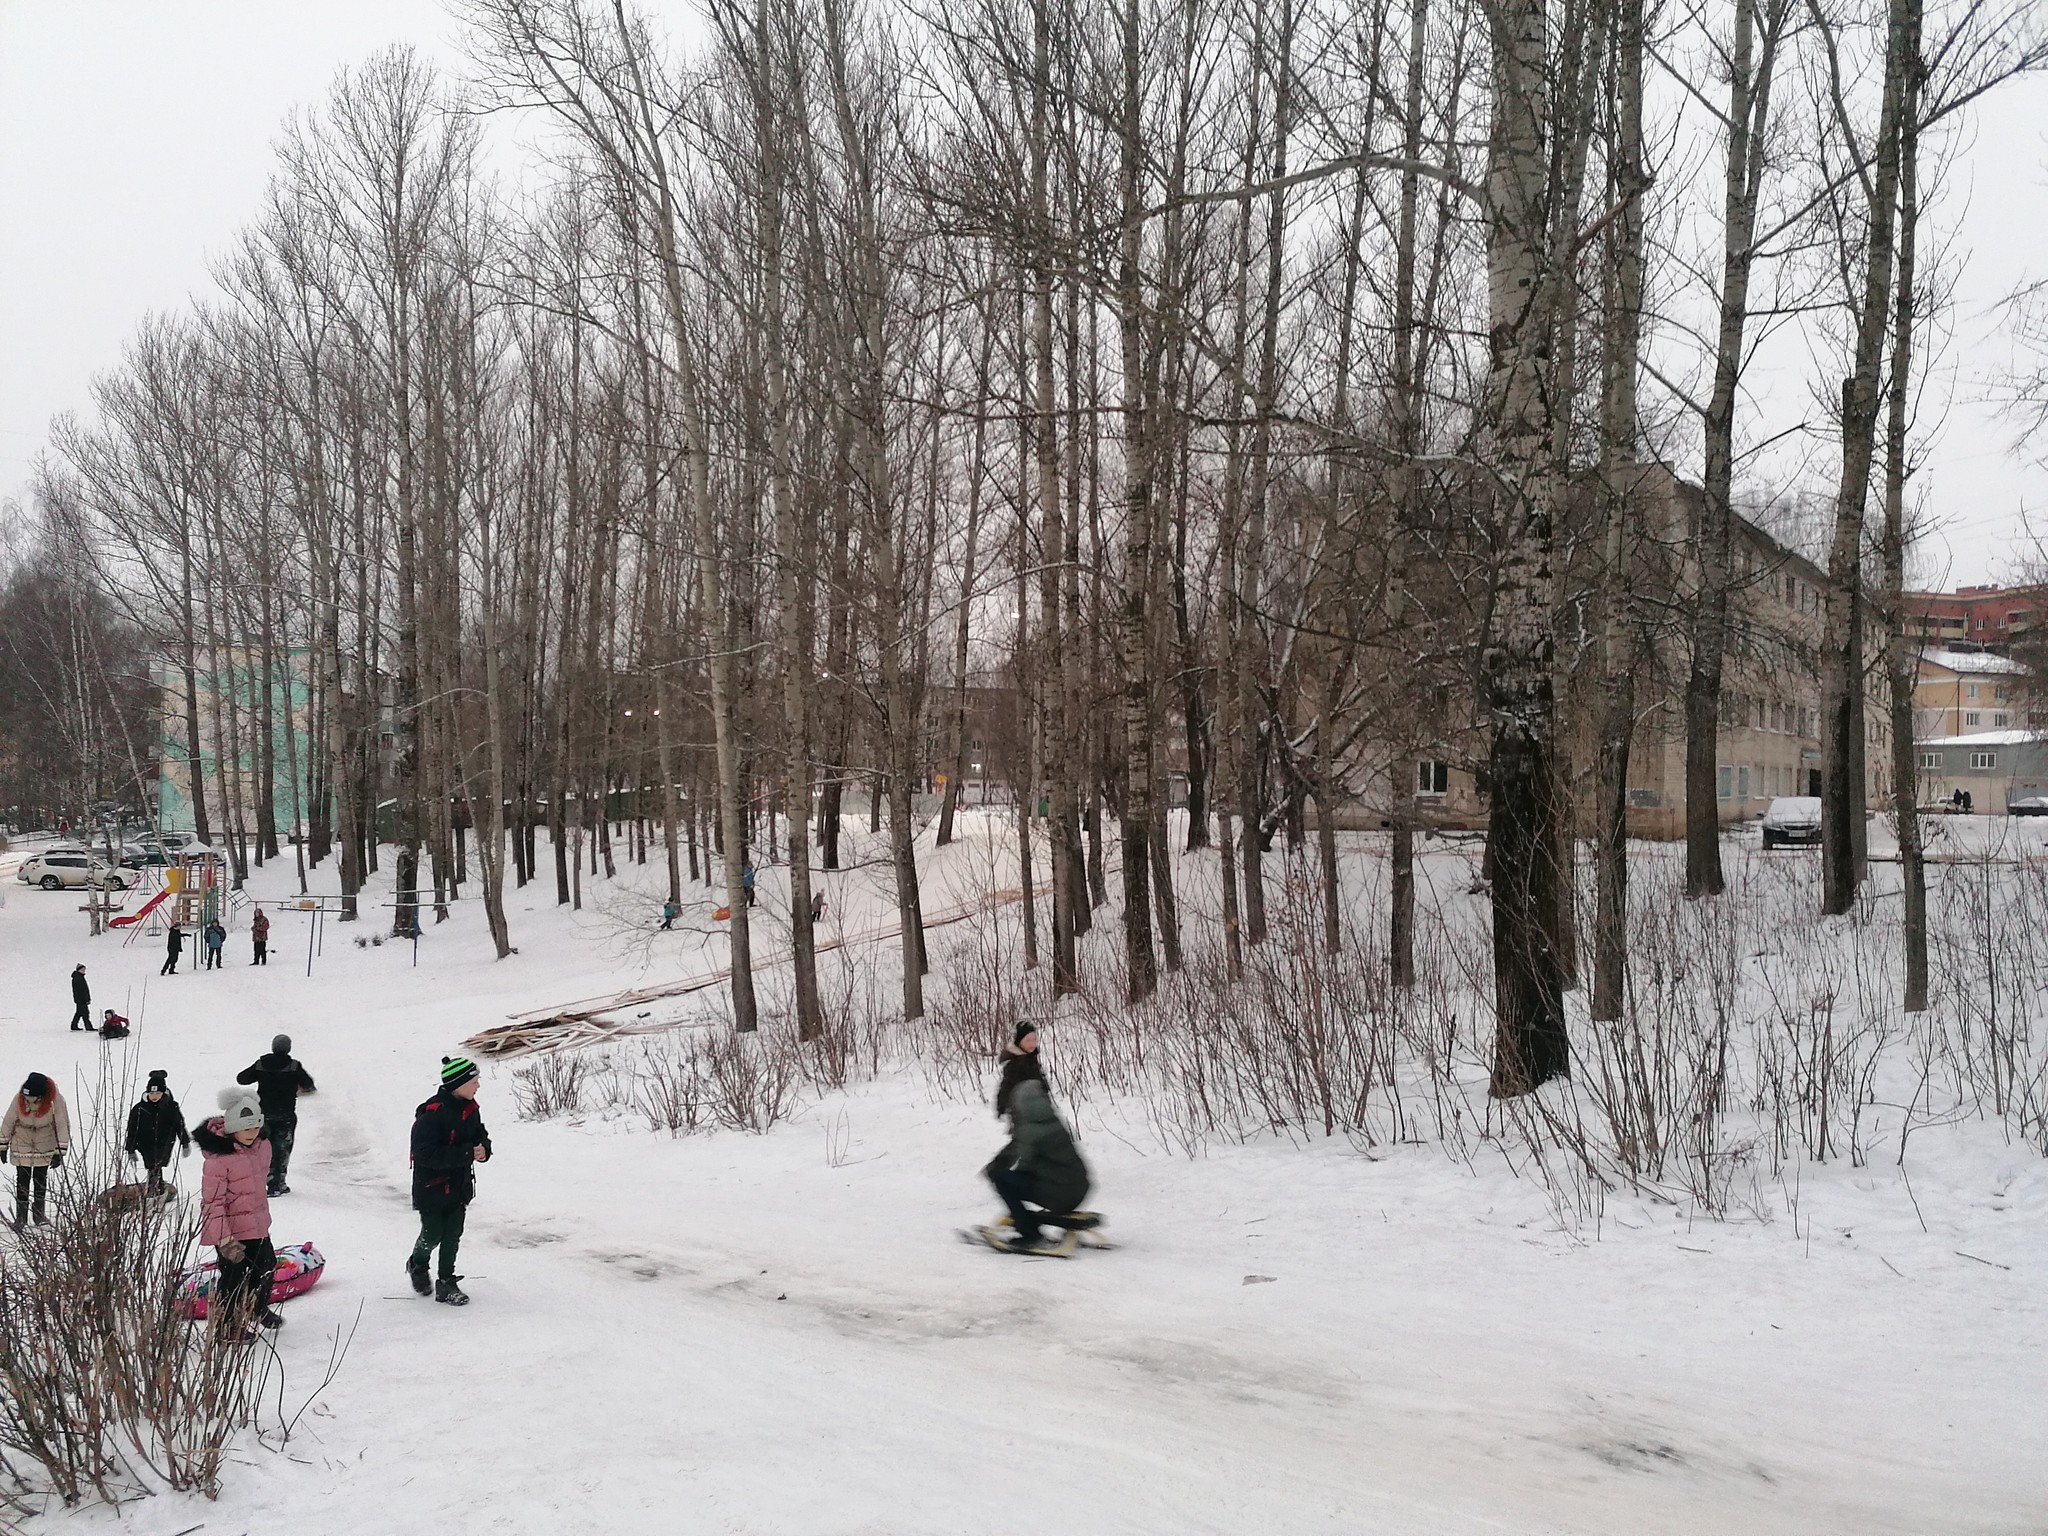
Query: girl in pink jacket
[235, 1211]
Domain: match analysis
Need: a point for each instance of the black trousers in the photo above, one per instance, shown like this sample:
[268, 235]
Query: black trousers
[262, 952]
[27, 1182]
[213, 957]
[245, 1283]
[442, 1230]
[282, 1134]
[156, 1176]
[81, 1016]
[170, 963]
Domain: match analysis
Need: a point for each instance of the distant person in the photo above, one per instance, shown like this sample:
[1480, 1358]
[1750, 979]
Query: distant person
[259, 935]
[174, 946]
[1956, 800]
[448, 1141]
[817, 908]
[63, 826]
[279, 1081]
[216, 940]
[34, 1136]
[747, 881]
[235, 1214]
[81, 999]
[114, 1026]
[1968, 806]
[1020, 1064]
[669, 913]
[156, 1128]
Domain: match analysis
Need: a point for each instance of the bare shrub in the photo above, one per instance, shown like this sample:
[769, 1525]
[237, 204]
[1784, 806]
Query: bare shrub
[557, 1083]
[106, 1389]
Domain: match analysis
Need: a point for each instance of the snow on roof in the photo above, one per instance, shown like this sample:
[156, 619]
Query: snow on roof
[1972, 661]
[1985, 739]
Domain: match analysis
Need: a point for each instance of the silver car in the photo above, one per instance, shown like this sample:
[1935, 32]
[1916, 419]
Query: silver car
[1792, 819]
[57, 871]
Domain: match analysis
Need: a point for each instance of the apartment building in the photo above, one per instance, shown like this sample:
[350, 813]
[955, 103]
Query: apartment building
[1975, 616]
[1958, 693]
[1993, 767]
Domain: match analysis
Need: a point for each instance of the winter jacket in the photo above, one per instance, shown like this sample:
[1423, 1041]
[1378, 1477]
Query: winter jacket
[216, 936]
[233, 1203]
[446, 1131]
[259, 928]
[81, 994]
[1042, 1148]
[31, 1140]
[1018, 1067]
[175, 941]
[279, 1081]
[154, 1129]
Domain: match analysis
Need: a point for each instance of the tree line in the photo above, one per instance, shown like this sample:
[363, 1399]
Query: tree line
[1248, 393]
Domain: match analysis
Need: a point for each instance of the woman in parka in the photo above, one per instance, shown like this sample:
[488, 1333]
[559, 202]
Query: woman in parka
[34, 1137]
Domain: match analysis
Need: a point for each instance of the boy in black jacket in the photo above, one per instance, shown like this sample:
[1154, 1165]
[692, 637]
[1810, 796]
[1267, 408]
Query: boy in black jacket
[279, 1081]
[155, 1126]
[448, 1141]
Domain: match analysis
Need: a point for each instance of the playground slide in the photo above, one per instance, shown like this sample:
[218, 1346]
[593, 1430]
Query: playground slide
[148, 907]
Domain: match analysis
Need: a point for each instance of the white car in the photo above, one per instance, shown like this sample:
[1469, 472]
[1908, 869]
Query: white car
[65, 870]
[1792, 819]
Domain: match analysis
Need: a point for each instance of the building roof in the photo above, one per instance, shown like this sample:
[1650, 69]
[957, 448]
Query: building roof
[1985, 739]
[1972, 661]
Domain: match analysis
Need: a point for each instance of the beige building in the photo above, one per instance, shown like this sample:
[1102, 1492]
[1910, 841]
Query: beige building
[1769, 740]
[1959, 693]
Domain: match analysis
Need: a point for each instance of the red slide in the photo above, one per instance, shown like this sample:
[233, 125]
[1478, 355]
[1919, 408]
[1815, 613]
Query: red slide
[148, 907]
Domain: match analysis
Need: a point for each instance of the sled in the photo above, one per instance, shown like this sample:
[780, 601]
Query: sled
[1082, 1229]
[299, 1268]
[136, 1196]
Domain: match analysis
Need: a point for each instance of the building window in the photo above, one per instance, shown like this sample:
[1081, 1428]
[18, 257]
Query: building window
[1931, 760]
[1742, 782]
[1998, 693]
[2001, 719]
[1983, 759]
[1970, 692]
[1971, 717]
[1727, 781]
[1432, 778]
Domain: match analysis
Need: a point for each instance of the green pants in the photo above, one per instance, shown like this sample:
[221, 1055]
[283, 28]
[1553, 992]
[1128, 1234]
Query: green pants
[442, 1230]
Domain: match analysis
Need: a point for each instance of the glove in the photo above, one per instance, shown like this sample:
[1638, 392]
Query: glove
[230, 1251]
[57, 1158]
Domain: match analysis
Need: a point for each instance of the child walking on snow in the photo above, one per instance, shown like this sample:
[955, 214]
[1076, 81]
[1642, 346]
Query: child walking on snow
[156, 1125]
[34, 1137]
[235, 1214]
[448, 1141]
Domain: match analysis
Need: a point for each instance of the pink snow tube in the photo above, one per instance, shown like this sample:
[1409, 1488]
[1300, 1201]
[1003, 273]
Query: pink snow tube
[298, 1270]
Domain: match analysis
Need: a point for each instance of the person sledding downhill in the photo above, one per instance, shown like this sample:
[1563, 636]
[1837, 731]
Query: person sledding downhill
[448, 1141]
[1042, 1168]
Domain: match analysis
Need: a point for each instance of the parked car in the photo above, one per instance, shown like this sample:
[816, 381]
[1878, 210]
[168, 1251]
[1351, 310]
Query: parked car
[2027, 805]
[1792, 819]
[146, 853]
[61, 871]
[176, 840]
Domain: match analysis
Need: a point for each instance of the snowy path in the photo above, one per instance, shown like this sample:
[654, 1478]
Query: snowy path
[731, 1334]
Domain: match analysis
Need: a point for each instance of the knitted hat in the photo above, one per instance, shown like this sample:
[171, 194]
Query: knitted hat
[1024, 1027]
[455, 1071]
[280, 1045]
[159, 1079]
[37, 1086]
[239, 1110]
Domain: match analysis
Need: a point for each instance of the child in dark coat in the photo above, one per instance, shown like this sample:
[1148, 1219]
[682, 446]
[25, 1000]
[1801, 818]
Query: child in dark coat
[448, 1141]
[156, 1125]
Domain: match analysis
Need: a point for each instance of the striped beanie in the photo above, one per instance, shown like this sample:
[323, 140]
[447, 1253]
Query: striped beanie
[455, 1071]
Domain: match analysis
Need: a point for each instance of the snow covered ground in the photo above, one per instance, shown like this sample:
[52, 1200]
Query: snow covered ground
[778, 1333]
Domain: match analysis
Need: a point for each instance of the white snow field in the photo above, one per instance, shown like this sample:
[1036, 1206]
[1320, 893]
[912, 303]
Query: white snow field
[778, 1333]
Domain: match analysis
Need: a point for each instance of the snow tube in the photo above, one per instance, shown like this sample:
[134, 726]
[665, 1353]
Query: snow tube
[298, 1270]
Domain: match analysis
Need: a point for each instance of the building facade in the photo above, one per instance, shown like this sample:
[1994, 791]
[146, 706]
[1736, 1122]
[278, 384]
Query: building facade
[1993, 767]
[1974, 616]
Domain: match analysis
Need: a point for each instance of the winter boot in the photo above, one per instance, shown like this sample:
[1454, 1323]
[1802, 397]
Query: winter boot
[447, 1290]
[416, 1271]
[270, 1317]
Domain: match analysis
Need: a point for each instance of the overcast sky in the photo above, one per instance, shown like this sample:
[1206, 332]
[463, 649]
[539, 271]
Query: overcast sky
[135, 138]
